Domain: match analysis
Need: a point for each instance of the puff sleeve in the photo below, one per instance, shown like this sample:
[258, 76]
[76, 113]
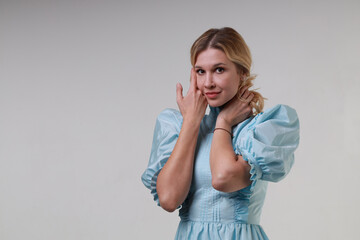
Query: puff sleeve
[166, 133]
[268, 143]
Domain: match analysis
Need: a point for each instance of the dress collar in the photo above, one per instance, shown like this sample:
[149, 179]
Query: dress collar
[214, 111]
[210, 120]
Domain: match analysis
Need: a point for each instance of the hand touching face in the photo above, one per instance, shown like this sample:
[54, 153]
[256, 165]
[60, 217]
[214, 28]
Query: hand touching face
[193, 105]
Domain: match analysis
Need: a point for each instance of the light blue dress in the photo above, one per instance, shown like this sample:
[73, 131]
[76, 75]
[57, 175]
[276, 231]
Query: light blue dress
[267, 142]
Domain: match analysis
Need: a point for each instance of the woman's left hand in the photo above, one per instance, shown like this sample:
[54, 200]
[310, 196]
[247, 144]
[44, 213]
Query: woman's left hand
[237, 109]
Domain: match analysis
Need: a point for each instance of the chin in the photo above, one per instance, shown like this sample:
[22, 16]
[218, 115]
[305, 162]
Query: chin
[216, 104]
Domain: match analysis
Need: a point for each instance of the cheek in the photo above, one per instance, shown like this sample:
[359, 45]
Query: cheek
[233, 86]
[236, 82]
[236, 85]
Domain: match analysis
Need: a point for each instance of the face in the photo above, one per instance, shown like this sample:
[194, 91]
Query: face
[217, 77]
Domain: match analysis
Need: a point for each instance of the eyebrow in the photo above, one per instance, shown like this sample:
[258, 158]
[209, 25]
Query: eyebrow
[215, 65]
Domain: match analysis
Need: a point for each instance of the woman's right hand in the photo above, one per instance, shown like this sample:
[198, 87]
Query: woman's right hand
[193, 105]
[172, 192]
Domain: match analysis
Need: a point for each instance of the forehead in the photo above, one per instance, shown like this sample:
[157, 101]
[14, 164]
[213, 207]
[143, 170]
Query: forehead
[210, 57]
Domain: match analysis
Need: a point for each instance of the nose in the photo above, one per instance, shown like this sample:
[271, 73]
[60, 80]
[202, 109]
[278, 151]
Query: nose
[209, 83]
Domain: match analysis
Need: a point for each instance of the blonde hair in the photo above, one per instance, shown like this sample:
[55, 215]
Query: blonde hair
[235, 48]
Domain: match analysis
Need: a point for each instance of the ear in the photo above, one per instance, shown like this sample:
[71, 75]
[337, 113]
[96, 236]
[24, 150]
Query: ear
[244, 77]
[242, 80]
[241, 73]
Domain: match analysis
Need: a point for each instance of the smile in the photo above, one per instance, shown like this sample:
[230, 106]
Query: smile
[212, 94]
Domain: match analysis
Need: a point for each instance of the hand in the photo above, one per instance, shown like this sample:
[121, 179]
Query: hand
[237, 109]
[193, 105]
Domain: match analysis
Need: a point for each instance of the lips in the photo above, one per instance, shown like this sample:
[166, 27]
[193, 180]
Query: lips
[212, 94]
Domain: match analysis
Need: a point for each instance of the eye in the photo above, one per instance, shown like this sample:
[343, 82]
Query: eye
[200, 71]
[219, 70]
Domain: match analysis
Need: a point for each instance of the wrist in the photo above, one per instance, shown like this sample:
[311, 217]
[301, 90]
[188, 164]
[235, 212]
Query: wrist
[222, 123]
[223, 129]
[191, 122]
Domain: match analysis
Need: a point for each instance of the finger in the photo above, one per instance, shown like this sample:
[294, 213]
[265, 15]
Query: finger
[193, 84]
[246, 94]
[243, 90]
[251, 96]
[179, 92]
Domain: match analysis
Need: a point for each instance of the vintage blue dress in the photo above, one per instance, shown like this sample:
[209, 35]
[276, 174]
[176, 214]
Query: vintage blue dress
[267, 142]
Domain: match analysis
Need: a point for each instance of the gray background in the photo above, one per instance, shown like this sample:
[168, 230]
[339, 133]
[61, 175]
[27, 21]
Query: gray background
[81, 84]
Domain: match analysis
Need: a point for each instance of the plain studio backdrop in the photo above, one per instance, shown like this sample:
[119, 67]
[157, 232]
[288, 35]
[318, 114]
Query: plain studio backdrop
[82, 82]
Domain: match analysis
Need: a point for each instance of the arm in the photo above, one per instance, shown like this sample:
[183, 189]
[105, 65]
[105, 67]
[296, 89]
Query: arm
[229, 171]
[174, 179]
[269, 143]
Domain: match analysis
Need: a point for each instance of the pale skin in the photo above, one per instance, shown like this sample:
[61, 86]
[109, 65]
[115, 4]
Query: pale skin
[213, 72]
[229, 171]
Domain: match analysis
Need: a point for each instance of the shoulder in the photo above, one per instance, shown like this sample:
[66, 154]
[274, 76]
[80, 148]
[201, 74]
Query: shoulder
[169, 118]
[280, 114]
[280, 111]
[274, 123]
[170, 114]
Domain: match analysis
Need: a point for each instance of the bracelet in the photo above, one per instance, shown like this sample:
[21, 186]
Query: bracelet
[225, 131]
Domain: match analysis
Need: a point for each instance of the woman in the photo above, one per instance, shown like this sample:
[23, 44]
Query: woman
[216, 167]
